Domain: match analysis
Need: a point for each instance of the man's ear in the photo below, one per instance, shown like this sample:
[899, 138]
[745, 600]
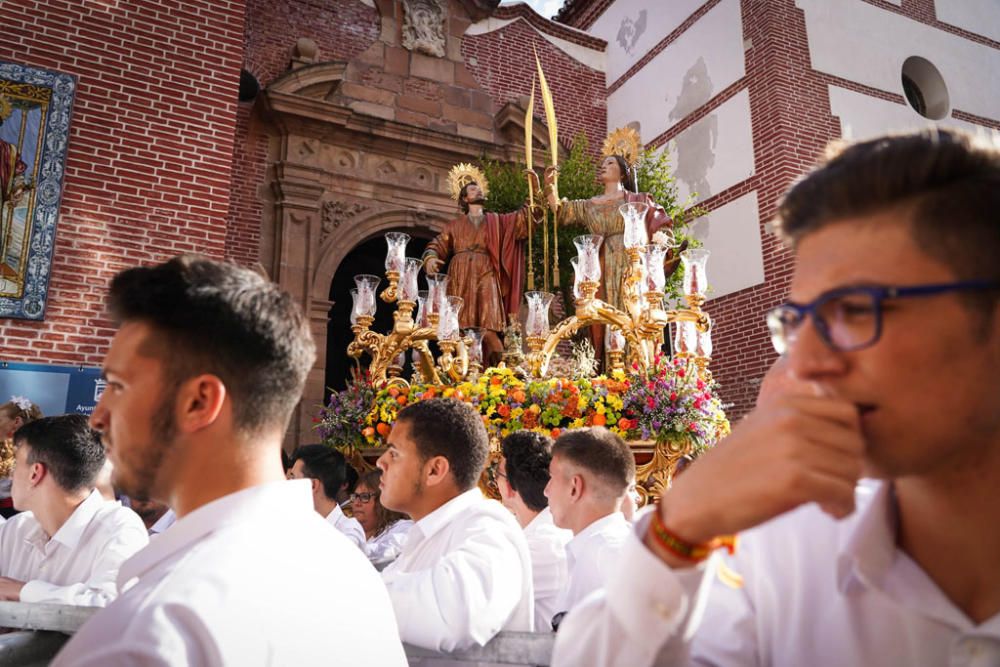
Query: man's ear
[199, 402]
[38, 473]
[577, 486]
[436, 470]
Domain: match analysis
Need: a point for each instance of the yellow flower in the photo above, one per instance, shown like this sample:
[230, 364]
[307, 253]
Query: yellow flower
[577, 423]
[449, 392]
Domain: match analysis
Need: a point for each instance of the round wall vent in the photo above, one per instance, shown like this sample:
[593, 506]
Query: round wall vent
[924, 88]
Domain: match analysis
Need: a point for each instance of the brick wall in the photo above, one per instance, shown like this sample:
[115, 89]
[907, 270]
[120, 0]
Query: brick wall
[147, 173]
[503, 63]
[340, 30]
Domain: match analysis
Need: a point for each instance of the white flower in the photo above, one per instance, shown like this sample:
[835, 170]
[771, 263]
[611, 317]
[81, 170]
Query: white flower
[21, 402]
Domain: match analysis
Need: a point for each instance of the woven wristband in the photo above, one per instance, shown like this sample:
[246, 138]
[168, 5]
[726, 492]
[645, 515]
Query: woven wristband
[687, 550]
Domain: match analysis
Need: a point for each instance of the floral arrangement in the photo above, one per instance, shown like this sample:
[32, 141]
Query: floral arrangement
[669, 402]
[342, 420]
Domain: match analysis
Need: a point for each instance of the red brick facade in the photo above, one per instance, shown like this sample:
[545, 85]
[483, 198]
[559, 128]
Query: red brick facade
[504, 66]
[791, 124]
[148, 167]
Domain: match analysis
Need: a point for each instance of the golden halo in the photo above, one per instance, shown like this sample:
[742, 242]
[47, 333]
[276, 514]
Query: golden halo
[5, 108]
[624, 142]
[463, 174]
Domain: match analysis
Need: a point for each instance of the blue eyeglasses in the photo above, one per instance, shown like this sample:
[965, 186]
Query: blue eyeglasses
[850, 318]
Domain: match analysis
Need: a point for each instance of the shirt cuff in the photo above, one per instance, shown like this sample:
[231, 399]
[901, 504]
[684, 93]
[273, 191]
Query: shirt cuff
[40, 591]
[648, 597]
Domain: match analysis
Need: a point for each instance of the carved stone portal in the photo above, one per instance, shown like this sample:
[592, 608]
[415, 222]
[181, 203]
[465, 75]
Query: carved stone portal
[424, 26]
[335, 213]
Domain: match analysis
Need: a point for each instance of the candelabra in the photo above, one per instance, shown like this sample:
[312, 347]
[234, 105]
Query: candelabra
[436, 319]
[635, 331]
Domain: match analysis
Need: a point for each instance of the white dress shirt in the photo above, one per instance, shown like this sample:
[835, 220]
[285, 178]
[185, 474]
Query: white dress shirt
[814, 591]
[463, 576]
[547, 547]
[248, 579]
[385, 547]
[590, 556]
[78, 565]
[348, 526]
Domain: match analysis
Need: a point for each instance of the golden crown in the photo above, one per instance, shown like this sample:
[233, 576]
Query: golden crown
[463, 174]
[624, 142]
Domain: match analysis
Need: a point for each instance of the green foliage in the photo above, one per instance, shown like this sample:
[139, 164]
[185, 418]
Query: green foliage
[508, 186]
[656, 178]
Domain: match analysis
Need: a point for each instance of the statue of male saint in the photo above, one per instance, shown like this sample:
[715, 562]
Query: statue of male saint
[487, 253]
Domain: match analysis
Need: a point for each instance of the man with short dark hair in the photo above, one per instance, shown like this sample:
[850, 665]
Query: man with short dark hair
[68, 542]
[591, 471]
[522, 474]
[326, 469]
[464, 572]
[892, 345]
[205, 370]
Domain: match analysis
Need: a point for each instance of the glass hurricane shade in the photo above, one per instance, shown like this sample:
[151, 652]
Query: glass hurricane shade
[588, 249]
[396, 254]
[695, 278]
[635, 224]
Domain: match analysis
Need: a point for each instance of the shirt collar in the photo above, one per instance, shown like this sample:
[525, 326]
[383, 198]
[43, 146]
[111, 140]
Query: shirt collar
[541, 520]
[442, 516]
[868, 539]
[335, 514]
[275, 500]
[71, 531]
[605, 522]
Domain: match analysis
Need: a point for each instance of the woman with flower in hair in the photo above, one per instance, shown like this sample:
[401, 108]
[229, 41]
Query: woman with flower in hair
[14, 414]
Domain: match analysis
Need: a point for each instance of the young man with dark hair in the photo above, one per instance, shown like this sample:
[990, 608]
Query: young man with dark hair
[591, 471]
[68, 542]
[326, 470]
[464, 573]
[522, 474]
[892, 339]
[203, 375]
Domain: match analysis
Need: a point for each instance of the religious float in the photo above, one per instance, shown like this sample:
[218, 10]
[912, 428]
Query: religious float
[665, 405]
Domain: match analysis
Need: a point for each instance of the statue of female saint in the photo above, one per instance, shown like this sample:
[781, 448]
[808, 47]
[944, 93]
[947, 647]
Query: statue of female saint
[600, 214]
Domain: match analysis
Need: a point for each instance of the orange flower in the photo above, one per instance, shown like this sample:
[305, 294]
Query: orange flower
[503, 410]
[518, 396]
[368, 432]
[624, 424]
[401, 399]
[383, 429]
[555, 432]
[496, 379]
[600, 420]
[394, 391]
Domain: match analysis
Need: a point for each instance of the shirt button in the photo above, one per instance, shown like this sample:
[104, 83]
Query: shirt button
[662, 610]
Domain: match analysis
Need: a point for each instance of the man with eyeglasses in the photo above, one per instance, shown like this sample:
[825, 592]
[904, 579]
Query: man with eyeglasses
[891, 339]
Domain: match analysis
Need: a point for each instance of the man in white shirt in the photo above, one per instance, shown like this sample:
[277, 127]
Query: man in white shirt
[464, 573]
[892, 338]
[202, 379]
[591, 470]
[67, 543]
[522, 474]
[326, 470]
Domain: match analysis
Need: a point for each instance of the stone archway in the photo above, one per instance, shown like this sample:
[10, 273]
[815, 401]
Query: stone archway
[362, 147]
[331, 312]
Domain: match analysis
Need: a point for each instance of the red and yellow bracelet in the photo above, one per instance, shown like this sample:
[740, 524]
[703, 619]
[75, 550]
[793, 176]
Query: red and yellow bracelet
[687, 550]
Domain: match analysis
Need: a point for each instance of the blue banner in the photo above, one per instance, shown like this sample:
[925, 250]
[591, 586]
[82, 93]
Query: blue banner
[55, 389]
